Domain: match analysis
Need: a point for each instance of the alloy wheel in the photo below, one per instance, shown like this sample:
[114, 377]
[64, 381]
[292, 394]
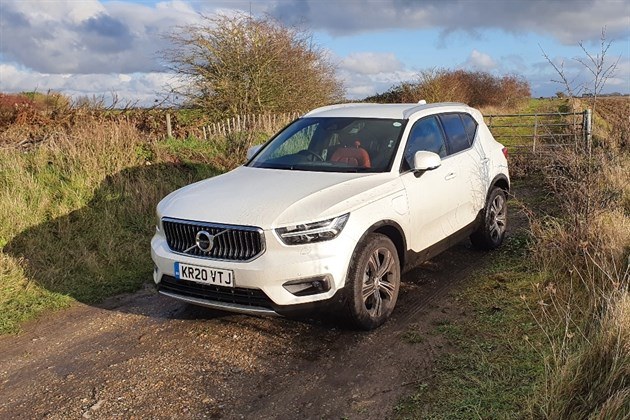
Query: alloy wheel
[498, 217]
[378, 282]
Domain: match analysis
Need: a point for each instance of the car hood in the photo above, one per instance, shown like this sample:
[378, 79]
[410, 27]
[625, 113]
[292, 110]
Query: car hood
[270, 198]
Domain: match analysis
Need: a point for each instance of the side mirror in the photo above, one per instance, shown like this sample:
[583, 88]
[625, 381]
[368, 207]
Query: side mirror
[426, 161]
[252, 151]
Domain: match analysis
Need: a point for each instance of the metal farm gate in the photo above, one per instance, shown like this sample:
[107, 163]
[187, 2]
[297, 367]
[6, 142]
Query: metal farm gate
[541, 132]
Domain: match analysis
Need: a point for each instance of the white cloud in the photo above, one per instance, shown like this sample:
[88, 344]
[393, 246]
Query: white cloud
[360, 91]
[360, 85]
[480, 61]
[371, 63]
[92, 47]
[89, 36]
[88, 47]
[143, 88]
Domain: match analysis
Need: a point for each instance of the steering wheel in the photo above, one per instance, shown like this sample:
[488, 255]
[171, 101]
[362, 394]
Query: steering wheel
[311, 153]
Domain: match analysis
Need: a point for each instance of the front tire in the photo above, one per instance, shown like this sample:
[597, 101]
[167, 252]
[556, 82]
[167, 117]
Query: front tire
[373, 282]
[492, 230]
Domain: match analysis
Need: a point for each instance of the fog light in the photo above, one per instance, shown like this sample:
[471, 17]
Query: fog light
[310, 286]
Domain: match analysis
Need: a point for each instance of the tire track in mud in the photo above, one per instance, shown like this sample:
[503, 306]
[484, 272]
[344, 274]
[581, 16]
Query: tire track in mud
[437, 277]
[368, 372]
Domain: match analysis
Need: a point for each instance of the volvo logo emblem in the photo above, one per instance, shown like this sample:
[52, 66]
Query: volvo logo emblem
[204, 241]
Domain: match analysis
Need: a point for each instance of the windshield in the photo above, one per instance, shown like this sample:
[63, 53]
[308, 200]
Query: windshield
[333, 145]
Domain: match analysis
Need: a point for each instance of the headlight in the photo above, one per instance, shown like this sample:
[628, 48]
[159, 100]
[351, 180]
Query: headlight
[313, 232]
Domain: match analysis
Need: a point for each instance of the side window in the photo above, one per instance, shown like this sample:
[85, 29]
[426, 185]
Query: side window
[455, 133]
[425, 135]
[471, 127]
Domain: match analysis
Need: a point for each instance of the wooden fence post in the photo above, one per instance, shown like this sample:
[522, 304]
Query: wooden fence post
[169, 129]
[588, 129]
[535, 133]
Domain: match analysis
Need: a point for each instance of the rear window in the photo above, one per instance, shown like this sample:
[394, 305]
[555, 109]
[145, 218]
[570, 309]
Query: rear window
[470, 125]
[455, 133]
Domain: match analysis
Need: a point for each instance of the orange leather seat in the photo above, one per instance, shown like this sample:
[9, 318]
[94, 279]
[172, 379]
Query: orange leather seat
[353, 155]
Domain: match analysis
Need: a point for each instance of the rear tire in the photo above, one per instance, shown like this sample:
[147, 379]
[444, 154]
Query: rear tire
[491, 232]
[373, 282]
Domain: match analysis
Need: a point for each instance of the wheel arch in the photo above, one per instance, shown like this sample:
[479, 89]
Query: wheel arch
[394, 232]
[500, 181]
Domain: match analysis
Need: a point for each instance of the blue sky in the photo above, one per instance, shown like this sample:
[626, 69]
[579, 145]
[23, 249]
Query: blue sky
[95, 47]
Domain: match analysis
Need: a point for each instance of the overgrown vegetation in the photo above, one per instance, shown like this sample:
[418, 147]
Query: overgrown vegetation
[77, 209]
[584, 256]
[24, 121]
[239, 65]
[584, 304]
[475, 88]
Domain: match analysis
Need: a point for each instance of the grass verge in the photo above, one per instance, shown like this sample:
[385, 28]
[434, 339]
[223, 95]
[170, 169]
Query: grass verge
[495, 362]
[548, 328]
[78, 213]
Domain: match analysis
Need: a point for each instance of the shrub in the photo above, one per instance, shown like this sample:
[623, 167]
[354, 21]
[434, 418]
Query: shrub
[238, 64]
[475, 88]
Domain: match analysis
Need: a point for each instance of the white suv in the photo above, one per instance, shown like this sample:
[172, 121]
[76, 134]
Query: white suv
[330, 211]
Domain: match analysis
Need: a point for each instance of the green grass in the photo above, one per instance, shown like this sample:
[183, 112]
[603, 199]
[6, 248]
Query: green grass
[413, 336]
[77, 216]
[496, 363]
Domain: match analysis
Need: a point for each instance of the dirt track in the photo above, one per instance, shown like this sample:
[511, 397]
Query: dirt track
[147, 356]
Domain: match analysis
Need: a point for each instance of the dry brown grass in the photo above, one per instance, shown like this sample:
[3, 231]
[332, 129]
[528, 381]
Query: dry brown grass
[592, 382]
[584, 306]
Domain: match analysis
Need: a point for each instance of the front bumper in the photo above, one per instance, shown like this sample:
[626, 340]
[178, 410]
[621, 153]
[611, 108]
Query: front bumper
[259, 283]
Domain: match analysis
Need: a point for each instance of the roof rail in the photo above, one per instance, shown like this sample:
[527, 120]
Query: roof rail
[335, 106]
[410, 111]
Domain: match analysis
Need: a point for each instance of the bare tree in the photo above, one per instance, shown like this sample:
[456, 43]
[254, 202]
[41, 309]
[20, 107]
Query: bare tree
[239, 64]
[597, 66]
[594, 63]
[584, 168]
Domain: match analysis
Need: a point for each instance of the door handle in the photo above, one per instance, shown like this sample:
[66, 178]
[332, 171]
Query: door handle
[450, 176]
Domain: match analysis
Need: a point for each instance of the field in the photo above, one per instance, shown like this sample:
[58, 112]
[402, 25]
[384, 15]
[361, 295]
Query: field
[77, 199]
[614, 110]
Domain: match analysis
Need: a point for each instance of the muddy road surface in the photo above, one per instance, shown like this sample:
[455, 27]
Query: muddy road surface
[148, 356]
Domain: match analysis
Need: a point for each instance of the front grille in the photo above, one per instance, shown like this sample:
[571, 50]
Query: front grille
[233, 243]
[237, 295]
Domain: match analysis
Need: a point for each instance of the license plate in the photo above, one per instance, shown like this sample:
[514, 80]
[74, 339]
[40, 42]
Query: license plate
[199, 274]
